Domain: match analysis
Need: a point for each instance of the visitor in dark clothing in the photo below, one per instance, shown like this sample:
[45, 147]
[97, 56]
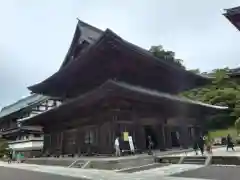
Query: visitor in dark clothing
[195, 145]
[9, 157]
[201, 144]
[150, 145]
[230, 142]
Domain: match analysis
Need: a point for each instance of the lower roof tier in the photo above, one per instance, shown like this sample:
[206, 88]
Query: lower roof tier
[111, 57]
[169, 105]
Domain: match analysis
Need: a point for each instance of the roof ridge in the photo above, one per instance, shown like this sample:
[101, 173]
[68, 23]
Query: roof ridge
[86, 24]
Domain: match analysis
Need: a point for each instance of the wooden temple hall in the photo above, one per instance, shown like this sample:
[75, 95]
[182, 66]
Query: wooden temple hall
[110, 87]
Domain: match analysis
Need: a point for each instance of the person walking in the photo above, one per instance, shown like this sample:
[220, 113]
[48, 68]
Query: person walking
[117, 147]
[230, 142]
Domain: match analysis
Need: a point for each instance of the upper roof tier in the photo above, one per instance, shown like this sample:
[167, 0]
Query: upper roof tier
[233, 15]
[95, 56]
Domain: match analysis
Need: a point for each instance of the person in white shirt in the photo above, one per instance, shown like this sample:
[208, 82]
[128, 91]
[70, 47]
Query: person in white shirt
[117, 148]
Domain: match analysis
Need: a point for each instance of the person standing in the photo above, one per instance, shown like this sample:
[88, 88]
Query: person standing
[230, 142]
[150, 145]
[117, 147]
[195, 145]
[9, 156]
[201, 144]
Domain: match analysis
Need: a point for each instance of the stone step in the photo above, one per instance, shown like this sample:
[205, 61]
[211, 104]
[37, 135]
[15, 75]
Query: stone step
[142, 168]
[194, 160]
[78, 164]
[119, 164]
[50, 162]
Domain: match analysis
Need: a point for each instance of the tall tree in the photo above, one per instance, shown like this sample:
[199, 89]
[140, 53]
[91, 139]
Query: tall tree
[169, 56]
[197, 71]
[223, 91]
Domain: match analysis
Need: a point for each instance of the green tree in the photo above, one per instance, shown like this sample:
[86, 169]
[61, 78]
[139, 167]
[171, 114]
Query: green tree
[3, 147]
[196, 71]
[223, 91]
[169, 56]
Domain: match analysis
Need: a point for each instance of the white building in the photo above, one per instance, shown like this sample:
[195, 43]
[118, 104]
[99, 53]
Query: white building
[25, 139]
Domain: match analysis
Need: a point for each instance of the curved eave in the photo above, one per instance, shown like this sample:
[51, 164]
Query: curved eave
[108, 35]
[233, 15]
[75, 37]
[179, 105]
[42, 86]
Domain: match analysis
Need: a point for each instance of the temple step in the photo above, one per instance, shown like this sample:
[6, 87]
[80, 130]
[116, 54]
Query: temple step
[79, 164]
[141, 168]
[194, 160]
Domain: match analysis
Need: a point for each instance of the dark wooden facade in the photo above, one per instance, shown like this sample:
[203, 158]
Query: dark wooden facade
[99, 139]
[111, 86]
[99, 135]
[91, 122]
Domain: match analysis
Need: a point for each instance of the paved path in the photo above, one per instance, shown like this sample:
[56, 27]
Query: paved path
[216, 152]
[180, 171]
[152, 174]
[109, 158]
[213, 172]
[17, 174]
[38, 172]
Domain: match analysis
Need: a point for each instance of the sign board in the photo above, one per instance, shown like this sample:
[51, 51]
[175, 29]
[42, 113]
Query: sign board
[130, 140]
[125, 136]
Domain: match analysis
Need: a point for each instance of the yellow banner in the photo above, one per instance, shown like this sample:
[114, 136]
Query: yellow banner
[125, 136]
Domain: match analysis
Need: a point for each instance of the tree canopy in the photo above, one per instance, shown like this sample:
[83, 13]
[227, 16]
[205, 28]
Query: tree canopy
[169, 56]
[3, 147]
[223, 91]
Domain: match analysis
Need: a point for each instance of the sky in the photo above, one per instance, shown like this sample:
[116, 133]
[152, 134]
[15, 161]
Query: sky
[36, 34]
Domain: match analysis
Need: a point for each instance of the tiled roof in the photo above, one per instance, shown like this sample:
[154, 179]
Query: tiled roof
[21, 104]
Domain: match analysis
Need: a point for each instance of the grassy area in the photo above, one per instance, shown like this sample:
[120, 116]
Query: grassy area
[223, 133]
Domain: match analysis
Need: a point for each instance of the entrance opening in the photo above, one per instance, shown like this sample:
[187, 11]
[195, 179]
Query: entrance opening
[174, 139]
[149, 131]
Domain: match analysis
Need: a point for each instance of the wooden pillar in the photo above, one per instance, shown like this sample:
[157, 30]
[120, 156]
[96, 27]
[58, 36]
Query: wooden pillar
[61, 142]
[184, 137]
[163, 142]
[140, 140]
[46, 143]
[78, 141]
[168, 140]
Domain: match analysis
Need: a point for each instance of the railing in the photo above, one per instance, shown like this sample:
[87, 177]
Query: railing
[29, 145]
[26, 140]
